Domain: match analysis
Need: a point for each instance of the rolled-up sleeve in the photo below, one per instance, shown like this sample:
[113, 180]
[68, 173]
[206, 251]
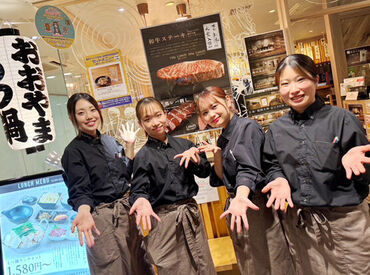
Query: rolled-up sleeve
[270, 163]
[247, 153]
[141, 181]
[78, 180]
[355, 135]
[214, 180]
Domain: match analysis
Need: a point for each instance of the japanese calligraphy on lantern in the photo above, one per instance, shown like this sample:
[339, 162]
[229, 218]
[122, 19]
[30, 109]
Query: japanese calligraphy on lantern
[24, 103]
[184, 58]
[55, 27]
[108, 79]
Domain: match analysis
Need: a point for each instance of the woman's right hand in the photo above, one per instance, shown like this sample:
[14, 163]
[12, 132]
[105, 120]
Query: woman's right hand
[85, 224]
[143, 210]
[206, 147]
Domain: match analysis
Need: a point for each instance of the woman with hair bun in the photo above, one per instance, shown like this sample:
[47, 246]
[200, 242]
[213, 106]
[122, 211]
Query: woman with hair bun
[328, 228]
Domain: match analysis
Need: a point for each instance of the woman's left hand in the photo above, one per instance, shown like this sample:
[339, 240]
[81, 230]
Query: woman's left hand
[353, 161]
[189, 155]
[127, 133]
[238, 210]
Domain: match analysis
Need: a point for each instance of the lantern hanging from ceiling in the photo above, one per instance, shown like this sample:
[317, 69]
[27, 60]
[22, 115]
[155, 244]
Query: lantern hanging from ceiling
[24, 102]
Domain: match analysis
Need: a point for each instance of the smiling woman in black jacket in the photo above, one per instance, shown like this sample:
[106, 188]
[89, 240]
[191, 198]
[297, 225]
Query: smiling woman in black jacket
[258, 239]
[98, 173]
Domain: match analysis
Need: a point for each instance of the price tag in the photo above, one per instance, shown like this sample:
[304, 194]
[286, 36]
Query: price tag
[351, 95]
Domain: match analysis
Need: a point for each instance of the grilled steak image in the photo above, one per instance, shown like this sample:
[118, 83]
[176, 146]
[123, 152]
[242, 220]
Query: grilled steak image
[192, 72]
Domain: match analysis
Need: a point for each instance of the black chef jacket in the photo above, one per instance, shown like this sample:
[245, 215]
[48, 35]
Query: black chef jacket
[241, 143]
[159, 178]
[97, 170]
[307, 149]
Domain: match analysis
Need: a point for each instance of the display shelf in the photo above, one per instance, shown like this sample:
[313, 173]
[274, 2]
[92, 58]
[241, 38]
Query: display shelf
[264, 52]
[314, 47]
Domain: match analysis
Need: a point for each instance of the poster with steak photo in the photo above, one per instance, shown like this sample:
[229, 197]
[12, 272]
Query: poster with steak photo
[183, 58]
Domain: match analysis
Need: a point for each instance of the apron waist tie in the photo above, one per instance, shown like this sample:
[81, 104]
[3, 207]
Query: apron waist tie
[188, 217]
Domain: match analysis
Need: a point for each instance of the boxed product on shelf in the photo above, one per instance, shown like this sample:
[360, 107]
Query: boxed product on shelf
[361, 109]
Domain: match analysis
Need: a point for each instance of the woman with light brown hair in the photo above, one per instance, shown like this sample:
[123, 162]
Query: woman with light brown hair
[256, 232]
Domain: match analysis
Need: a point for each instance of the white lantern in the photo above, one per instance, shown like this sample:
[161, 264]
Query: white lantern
[24, 102]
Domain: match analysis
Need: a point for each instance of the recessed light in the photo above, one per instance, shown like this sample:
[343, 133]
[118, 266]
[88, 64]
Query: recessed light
[77, 76]
[50, 77]
[272, 11]
[170, 3]
[67, 74]
[310, 31]
[35, 37]
[121, 9]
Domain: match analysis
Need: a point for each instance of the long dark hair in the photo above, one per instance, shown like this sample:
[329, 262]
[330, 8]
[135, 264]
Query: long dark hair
[71, 108]
[144, 102]
[299, 62]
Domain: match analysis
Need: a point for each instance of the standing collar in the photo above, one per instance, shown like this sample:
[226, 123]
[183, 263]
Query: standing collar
[228, 131]
[308, 113]
[158, 143]
[90, 138]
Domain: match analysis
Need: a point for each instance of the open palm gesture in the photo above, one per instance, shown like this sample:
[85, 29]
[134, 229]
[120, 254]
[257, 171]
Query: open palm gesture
[127, 133]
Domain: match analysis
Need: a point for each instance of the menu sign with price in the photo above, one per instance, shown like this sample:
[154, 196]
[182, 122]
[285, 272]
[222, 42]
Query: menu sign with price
[35, 222]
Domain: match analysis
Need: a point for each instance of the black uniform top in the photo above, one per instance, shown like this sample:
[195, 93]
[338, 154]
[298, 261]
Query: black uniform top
[307, 149]
[159, 178]
[97, 170]
[241, 143]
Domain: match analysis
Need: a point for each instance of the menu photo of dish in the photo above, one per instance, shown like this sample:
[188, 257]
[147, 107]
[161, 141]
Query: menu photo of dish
[107, 79]
[36, 235]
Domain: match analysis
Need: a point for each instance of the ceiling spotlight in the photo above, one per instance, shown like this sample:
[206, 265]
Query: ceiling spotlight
[272, 11]
[121, 9]
[50, 77]
[35, 37]
[170, 3]
[66, 74]
[310, 31]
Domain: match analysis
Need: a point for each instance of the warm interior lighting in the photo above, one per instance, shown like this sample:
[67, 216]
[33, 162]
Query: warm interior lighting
[170, 3]
[121, 9]
[272, 11]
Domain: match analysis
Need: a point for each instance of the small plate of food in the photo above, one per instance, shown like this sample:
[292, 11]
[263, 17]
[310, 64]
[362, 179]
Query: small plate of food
[57, 233]
[103, 81]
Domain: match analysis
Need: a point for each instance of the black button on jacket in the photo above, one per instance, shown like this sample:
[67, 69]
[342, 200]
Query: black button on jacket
[241, 143]
[307, 149]
[159, 178]
[97, 170]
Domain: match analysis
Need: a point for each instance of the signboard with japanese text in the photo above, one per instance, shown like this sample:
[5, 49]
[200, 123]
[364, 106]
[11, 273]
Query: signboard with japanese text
[206, 192]
[184, 58]
[24, 102]
[55, 27]
[35, 225]
[108, 80]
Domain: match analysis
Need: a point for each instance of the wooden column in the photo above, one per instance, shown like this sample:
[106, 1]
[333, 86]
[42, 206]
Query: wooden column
[284, 21]
[336, 52]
